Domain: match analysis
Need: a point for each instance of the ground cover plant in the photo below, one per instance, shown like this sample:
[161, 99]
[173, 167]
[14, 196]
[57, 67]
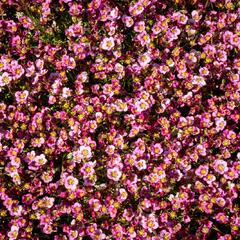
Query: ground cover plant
[119, 119]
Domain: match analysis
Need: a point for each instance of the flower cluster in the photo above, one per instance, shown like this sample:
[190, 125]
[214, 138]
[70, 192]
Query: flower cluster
[119, 119]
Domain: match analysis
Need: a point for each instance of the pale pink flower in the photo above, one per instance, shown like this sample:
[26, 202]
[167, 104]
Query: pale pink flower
[143, 38]
[182, 19]
[196, 16]
[85, 152]
[209, 178]
[128, 21]
[199, 80]
[39, 64]
[40, 160]
[52, 99]
[141, 165]
[220, 166]
[141, 106]
[107, 43]
[5, 79]
[156, 149]
[202, 171]
[73, 234]
[136, 9]
[122, 195]
[66, 92]
[88, 169]
[21, 96]
[16, 210]
[203, 71]
[71, 183]
[110, 149]
[201, 150]
[114, 174]
[220, 123]
[150, 223]
[48, 202]
[17, 70]
[139, 26]
[13, 233]
[95, 203]
[45, 220]
[118, 68]
[144, 59]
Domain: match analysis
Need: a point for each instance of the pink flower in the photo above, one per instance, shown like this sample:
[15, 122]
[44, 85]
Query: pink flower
[48, 202]
[122, 195]
[203, 71]
[88, 169]
[136, 9]
[110, 149]
[128, 21]
[141, 165]
[220, 123]
[141, 105]
[220, 202]
[202, 171]
[114, 174]
[150, 223]
[107, 43]
[96, 204]
[16, 210]
[144, 59]
[182, 19]
[91, 229]
[139, 26]
[196, 16]
[45, 220]
[143, 38]
[221, 217]
[5, 79]
[198, 80]
[13, 233]
[71, 183]
[156, 149]
[21, 96]
[85, 152]
[220, 166]
[73, 234]
[17, 70]
[209, 178]
[201, 150]
[40, 160]
[231, 174]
